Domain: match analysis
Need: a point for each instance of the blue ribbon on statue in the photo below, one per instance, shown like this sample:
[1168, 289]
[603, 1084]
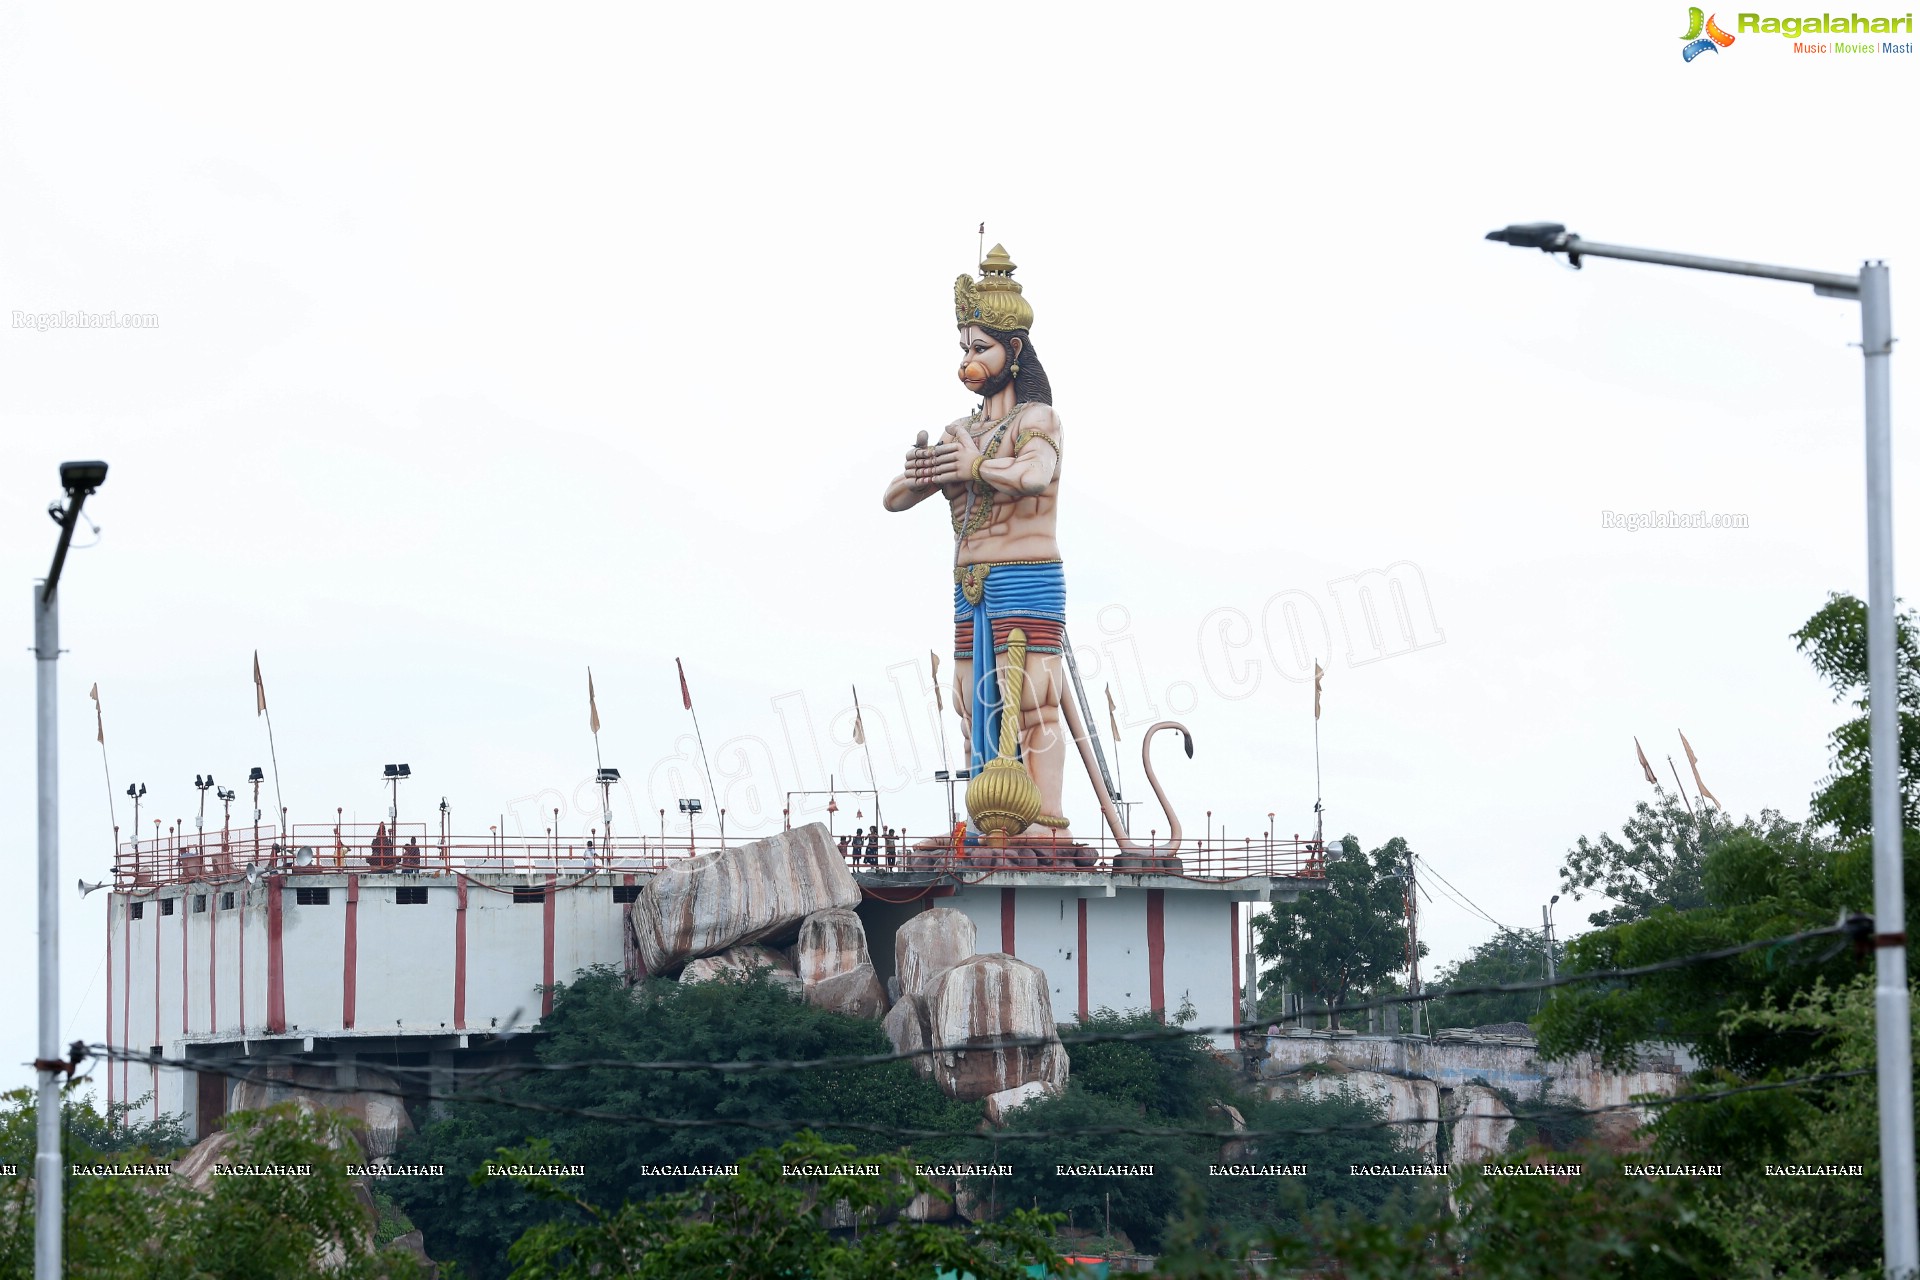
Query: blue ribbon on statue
[1011, 591]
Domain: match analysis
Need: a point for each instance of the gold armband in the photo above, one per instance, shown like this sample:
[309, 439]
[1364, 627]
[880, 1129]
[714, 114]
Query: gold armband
[1021, 442]
[977, 462]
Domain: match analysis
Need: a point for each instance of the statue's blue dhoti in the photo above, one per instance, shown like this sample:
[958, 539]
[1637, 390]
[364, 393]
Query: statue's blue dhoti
[989, 601]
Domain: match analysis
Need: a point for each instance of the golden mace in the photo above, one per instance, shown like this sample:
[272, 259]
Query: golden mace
[1002, 799]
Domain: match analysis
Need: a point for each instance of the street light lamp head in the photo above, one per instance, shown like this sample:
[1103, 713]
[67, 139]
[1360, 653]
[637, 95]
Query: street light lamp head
[82, 477]
[1544, 236]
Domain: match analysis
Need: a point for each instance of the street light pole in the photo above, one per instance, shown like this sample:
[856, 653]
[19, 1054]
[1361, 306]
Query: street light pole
[1900, 1224]
[79, 479]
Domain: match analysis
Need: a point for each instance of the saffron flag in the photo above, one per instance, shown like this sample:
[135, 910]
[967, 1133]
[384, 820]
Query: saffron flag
[593, 707]
[1644, 766]
[259, 686]
[1694, 762]
[1317, 673]
[100, 725]
[859, 728]
[1113, 720]
[686, 695]
[938, 703]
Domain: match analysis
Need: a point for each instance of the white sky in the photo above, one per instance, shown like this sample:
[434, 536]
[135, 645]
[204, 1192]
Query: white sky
[496, 342]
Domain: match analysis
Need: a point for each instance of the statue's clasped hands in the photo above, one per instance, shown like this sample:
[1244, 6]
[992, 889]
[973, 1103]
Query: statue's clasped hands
[948, 462]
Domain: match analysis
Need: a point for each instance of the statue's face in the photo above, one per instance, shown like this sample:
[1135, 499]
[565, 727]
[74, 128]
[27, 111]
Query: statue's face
[983, 361]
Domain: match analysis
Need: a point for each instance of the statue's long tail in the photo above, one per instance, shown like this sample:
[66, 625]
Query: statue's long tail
[1085, 741]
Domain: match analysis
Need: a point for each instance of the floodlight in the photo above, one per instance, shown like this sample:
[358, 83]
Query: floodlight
[608, 775]
[690, 806]
[942, 775]
[1531, 235]
[393, 771]
[82, 477]
[254, 775]
[405, 772]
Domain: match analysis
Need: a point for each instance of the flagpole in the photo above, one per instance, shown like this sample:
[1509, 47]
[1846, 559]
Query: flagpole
[867, 747]
[1676, 782]
[100, 725]
[940, 715]
[1319, 826]
[273, 754]
[686, 696]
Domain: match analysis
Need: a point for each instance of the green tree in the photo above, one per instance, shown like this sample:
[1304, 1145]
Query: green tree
[598, 1017]
[299, 1227]
[1533, 1228]
[762, 1222]
[1179, 1083]
[1835, 641]
[1346, 936]
[1509, 956]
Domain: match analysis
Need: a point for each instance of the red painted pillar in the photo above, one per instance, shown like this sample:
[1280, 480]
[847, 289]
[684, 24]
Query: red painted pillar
[126, 993]
[1157, 952]
[213, 960]
[186, 987]
[1006, 920]
[1081, 952]
[460, 955]
[546, 948]
[276, 965]
[350, 981]
[1233, 941]
[110, 1090]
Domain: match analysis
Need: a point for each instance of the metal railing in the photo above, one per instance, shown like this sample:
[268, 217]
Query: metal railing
[412, 849]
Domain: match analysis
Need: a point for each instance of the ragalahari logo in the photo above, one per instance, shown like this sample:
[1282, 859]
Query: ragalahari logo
[1698, 21]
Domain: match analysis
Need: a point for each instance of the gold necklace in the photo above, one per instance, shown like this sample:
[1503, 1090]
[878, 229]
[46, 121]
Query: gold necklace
[980, 499]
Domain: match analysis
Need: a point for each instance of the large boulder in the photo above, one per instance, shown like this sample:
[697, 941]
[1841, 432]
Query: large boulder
[930, 944]
[831, 959]
[1481, 1125]
[831, 943]
[758, 892]
[856, 993]
[906, 1028]
[1412, 1105]
[984, 999]
[370, 1098]
[1002, 1105]
[738, 962]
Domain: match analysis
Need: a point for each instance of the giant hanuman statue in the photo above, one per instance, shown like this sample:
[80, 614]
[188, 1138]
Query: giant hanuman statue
[999, 470]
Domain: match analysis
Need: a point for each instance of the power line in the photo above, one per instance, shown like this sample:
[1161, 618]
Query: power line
[1854, 926]
[1468, 902]
[252, 1072]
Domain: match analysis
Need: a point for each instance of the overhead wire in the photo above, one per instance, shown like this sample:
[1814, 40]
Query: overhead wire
[255, 1072]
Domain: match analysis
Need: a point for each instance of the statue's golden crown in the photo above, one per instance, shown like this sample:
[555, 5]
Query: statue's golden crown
[995, 299]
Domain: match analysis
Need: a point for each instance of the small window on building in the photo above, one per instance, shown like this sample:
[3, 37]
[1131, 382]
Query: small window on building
[139, 911]
[166, 906]
[626, 893]
[411, 895]
[529, 893]
[226, 902]
[199, 903]
[312, 897]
